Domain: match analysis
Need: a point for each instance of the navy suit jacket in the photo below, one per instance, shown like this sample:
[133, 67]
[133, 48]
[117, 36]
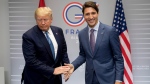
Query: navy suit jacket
[106, 61]
[39, 62]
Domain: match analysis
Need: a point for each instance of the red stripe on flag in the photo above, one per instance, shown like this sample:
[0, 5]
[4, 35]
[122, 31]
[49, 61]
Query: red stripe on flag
[126, 58]
[128, 77]
[126, 41]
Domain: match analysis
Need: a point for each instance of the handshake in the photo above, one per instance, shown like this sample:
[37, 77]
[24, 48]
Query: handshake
[67, 70]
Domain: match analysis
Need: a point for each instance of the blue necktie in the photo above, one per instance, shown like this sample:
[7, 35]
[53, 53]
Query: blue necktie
[51, 44]
[92, 40]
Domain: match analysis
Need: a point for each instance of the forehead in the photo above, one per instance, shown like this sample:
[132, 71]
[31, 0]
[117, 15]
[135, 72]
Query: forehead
[43, 16]
[89, 9]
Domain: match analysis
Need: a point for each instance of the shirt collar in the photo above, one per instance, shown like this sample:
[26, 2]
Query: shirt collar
[49, 31]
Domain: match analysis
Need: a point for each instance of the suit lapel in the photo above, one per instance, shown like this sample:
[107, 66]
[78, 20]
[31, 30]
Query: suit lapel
[99, 37]
[43, 40]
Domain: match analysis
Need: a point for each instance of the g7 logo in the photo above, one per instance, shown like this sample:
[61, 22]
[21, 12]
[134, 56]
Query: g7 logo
[77, 19]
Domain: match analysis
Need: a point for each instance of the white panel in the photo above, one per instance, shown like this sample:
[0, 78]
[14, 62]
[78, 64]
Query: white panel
[2, 75]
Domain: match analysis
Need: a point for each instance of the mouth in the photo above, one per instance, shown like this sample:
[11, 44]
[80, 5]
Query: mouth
[91, 21]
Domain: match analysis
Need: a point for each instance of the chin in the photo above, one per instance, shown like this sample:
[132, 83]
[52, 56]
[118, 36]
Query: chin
[43, 29]
[92, 25]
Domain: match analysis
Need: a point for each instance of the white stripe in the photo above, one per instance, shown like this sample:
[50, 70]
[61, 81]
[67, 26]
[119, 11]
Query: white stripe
[138, 4]
[15, 44]
[140, 48]
[146, 58]
[20, 7]
[141, 38]
[141, 76]
[140, 53]
[128, 55]
[16, 53]
[15, 75]
[127, 35]
[140, 19]
[142, 81]
[20, 11]
[21, 25]
[21, 16]
[78, 16]
[139, 9]
[15, 80]
[15, 39]
[128, 70]
[125, 80]
[20, 2]
[139, 43]
[15, 35]
[21, 21]
[15, 48]
[20, 57]
[16, 30]
[138, 14]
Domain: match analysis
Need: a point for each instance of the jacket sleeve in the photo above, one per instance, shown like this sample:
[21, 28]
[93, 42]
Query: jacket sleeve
[116, 48]
[81, 58]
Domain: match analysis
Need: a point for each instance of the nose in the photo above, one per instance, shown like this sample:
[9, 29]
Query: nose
[90, 16]
[42, 21]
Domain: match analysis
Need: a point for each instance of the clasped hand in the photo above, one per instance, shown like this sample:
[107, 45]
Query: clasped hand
[68, 74]
[67, 70]
[61, 70]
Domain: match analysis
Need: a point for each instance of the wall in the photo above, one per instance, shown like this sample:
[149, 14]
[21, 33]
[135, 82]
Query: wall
[4, 39]
[138, 21]
[21, 18]
[137, 16]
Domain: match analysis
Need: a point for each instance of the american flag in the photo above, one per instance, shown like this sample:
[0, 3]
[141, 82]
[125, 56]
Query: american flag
[119, 23]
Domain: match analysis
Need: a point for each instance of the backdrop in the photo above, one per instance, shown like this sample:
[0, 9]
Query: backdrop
[67, 15]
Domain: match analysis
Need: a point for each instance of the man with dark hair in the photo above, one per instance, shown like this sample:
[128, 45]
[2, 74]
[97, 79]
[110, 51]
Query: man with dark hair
[100, 49]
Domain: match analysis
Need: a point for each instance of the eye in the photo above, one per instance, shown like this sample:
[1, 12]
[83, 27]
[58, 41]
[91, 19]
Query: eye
[93, 13]
[40, 20]
[45, 20]
[86, 14]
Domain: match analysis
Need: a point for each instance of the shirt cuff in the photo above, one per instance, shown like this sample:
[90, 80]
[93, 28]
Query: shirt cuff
[118, 81]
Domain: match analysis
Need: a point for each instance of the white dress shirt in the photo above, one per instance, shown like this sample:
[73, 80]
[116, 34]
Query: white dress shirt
[95, 30]
[51, 35]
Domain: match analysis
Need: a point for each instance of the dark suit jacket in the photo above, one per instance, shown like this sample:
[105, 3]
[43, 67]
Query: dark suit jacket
[39, 62]
[107, 60]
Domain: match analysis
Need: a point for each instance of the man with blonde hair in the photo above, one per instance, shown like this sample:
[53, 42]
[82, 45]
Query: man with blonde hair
[45, 51]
